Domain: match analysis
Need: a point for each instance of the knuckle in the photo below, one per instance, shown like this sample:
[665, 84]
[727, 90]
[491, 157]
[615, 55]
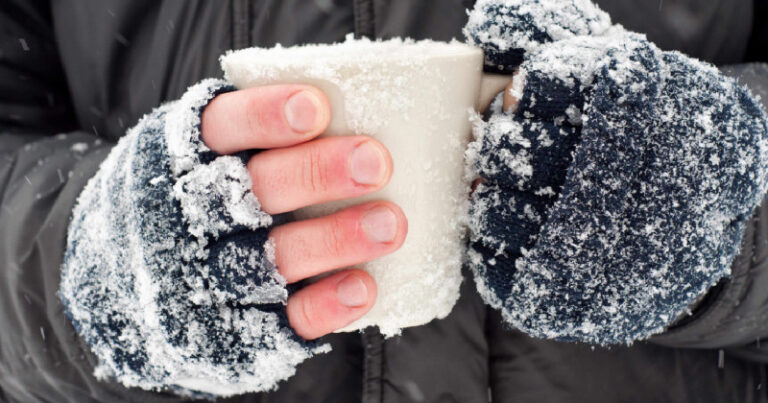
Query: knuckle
[269, 182]
[308, 317]
[314, 172]
[209, 113]
[255, 115]
[261, 181]
[335, 239]
[209, 123]
[252, 166]
[295, 255]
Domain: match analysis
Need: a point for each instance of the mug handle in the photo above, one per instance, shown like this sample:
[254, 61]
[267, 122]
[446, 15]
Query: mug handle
[490, 85]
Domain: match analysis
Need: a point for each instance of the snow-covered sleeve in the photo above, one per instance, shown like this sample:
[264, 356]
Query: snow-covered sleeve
[619, 191]
[169, 275]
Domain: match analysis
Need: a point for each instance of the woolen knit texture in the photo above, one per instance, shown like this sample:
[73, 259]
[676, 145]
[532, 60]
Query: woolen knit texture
[618, 192]
[168, 275]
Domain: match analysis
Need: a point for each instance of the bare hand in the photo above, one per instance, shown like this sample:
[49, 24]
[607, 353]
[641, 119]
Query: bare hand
[297, 171]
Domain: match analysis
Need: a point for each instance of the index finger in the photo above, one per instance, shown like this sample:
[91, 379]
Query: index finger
[264, 117]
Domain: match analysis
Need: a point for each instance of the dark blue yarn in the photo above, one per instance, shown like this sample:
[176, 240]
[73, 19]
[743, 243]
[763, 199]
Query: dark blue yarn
[586, 269]
[498, 60]
[503, 19]
[149, 183]
[549, 168]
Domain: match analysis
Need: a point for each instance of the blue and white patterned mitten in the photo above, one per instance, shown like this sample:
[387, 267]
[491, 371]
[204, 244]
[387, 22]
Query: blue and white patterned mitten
[618, 191]
[169, 274]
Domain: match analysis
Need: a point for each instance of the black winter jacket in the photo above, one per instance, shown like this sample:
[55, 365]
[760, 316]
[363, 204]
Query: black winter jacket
[75, 75]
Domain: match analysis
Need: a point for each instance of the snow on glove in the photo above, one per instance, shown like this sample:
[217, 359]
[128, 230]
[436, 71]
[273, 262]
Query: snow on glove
[665, 160]
[168, 273]
[507, 29]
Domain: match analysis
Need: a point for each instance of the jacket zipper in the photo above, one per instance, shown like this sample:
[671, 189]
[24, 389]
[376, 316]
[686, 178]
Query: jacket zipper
[373, 365]
[364, 21]
[372, 340]
[240, 24]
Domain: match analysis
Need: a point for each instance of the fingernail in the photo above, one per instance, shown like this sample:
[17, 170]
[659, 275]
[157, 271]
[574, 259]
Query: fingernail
[366, 164]
[352, 292]
[301, 111]
[380, 224]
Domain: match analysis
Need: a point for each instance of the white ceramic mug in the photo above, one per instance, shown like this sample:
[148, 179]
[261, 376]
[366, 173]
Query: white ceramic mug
[415, 97]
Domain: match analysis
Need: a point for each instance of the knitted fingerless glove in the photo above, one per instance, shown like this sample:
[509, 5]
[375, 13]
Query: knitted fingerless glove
[168, 273]
[618, 192]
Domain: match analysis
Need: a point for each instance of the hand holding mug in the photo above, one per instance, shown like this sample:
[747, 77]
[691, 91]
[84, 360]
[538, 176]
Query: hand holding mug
[296, 170]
